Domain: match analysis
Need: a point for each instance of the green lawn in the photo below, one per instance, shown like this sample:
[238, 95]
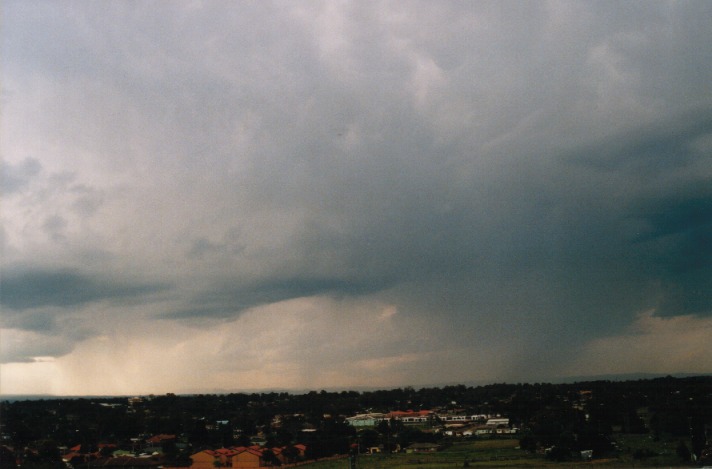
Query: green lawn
[505, 453]
[481, 453]
[661, 453]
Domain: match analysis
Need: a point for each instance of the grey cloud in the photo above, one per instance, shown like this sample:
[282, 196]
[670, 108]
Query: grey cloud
[27, 288]
[545, 237]
[661, 216]
[227, 301]
[54, 226]
[528, 171]
[677, 243]
[202, 248]
[18, 176]
[686, 212]
[47, 332]
[26, 350]
[652, 150]
[38, 321]
[88, 200]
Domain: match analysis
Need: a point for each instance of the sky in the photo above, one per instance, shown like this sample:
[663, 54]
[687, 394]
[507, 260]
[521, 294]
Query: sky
[216, 196]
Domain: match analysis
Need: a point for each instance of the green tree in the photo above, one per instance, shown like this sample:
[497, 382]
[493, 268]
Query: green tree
[683, 452]
[368, 438]
[291, 454]
[528, 443]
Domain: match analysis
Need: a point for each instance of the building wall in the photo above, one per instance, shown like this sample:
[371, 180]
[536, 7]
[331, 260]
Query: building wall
[246, 460]
[203, 460]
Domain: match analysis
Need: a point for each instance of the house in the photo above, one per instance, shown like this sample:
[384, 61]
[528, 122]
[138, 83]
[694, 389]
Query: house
[279, 456]
[246, 457]
[497, 422]
[422, 448]
[225, 455]
[447, 418]
[411, 417]
[301, 448]
[481, 430]
[156, 440]
[209, 458]
[366, 420]
[204, 460]
[73, 458]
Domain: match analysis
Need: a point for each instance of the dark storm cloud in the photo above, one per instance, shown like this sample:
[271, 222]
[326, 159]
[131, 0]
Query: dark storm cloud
[28, 288]
[676, 238]
[657, 207]
[13, 351]
[567, 237]
[685, 213]
[228, 301]
[570, 236]
[652, 150]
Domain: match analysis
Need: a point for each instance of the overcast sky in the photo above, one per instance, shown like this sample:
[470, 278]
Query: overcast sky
[223, 196]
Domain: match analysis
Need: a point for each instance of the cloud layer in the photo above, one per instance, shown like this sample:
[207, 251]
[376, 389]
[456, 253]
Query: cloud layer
[352, 194]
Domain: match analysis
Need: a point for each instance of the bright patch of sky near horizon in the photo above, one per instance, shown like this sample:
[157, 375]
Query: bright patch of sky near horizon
[202, 196]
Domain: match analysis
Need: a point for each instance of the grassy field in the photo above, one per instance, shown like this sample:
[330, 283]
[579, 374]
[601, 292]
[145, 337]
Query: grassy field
[481, 453]
[505, 453]
[661, 453]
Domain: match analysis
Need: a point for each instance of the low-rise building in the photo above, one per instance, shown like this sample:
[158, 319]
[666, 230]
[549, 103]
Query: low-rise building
[246, 457]
[422, 448]
[366, 420]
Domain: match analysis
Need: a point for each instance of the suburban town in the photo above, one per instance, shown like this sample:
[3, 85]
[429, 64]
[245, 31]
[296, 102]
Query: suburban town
[644, 421]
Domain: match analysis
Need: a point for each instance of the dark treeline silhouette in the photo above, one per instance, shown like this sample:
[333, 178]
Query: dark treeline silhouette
[571, 416]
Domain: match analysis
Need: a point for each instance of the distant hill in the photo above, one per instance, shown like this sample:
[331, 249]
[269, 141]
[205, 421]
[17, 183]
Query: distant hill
[626, 377]
[473, 383]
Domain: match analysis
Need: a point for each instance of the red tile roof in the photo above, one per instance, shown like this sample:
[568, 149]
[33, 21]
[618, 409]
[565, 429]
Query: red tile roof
[254, 449]
[410, 413]
[160, 438]
[225, 451]
[251, 450]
